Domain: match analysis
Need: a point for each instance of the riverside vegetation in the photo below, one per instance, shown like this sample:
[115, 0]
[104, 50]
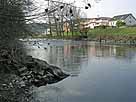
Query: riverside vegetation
[126, 35]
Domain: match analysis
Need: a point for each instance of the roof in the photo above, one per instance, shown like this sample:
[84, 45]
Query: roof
[100, 18]
[121, 17]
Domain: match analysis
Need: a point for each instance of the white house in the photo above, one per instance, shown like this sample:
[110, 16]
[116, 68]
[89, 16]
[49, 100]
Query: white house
[129, 19]
[102, 21]
[96, 22]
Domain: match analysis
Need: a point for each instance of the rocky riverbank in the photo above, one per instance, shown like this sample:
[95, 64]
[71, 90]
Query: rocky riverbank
[19, 72]
[32, 71]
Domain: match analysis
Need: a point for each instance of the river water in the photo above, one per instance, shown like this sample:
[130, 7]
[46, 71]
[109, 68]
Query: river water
[99, 73]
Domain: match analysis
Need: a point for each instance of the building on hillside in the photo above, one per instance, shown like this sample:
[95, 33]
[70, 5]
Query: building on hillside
[96, 22]
[102, 21]
[129, 19]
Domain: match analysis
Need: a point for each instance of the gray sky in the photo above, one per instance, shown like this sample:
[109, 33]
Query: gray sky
[113, 7]
[105, 8]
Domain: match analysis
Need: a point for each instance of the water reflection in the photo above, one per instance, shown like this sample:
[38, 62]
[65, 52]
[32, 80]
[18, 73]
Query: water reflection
[67, 56]
[99, 73]
[71, 55]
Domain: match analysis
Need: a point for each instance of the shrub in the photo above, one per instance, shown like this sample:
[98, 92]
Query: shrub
[120, 23]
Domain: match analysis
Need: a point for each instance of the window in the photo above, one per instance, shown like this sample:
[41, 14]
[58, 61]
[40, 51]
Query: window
[130, 22]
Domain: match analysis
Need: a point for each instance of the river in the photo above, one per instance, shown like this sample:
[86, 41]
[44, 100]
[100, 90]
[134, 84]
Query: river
[98, 73]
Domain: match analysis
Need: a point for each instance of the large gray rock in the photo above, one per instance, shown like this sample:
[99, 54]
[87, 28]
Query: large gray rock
[40, 73]
[31, 70]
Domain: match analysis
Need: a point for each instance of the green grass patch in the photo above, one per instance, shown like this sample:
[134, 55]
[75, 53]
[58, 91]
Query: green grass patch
[126, 33]
[114, 31]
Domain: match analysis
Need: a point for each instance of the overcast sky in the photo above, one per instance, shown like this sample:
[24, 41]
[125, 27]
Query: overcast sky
[112, 8]
[106, 8]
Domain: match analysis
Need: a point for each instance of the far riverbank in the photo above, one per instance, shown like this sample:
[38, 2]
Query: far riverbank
[125, 35]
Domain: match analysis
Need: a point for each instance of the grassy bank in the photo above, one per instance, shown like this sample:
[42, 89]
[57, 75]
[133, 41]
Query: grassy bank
[117, 34]
[115, 31]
